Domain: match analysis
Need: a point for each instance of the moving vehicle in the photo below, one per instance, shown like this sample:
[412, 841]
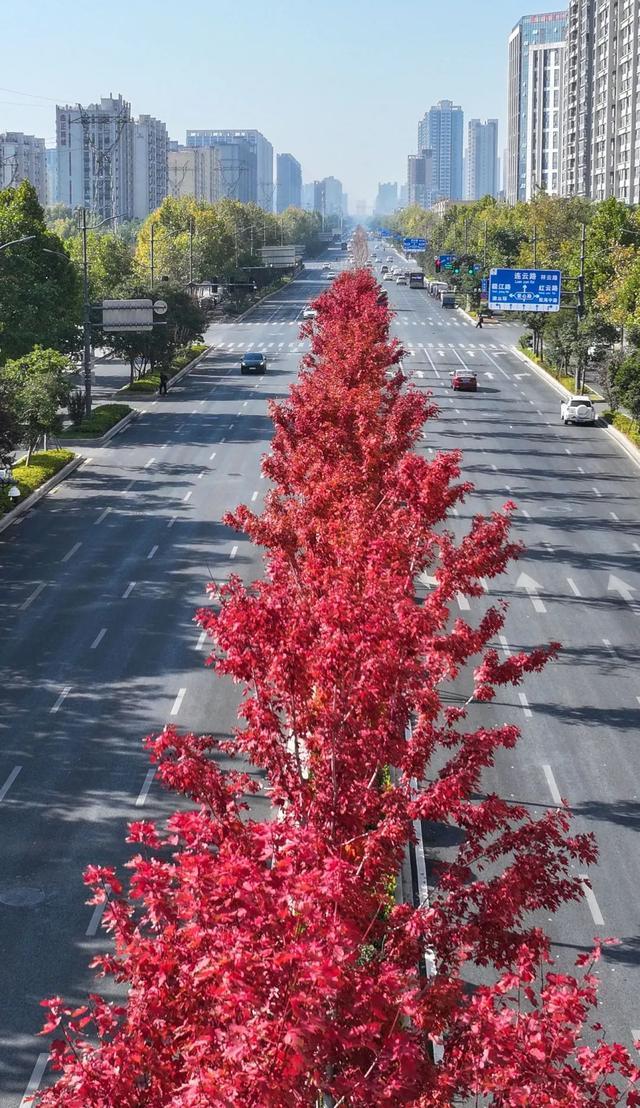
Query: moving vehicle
[416, 280]
[384, 268]
[326, 265]
[578, 409]
[401, 280]
[464, 380]
[388, 277]
[309, 313]
[448, 299]
[253, 362]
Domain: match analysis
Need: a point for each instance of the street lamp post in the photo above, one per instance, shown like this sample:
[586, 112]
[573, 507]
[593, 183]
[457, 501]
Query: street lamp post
[14, 242]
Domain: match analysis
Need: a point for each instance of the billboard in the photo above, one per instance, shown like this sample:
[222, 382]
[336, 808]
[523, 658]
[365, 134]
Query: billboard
[127, 315]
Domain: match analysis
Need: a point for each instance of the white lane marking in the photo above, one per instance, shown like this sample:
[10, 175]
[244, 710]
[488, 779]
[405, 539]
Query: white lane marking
[572, 585]
[129, 589]
[549, 547]
[524, 512]
[553, 788]
[636, 546]
[580, 469]
[484, 583]
[244, 404]
[223, 439]
[187, 496]
[609, 647]
[152, 552]
[96, 917]
[505, 645]
[463, 603]
[144, 791]
[230, 427]
[131, 483]
[525, 704]
[103, 515]
[254, 495]
[63, 695]
[33, 596]
[172, 521]
[202, 638]
[33, 1084]
[597, 491]
[567, 450]
[201, 474]
[178, 701]
[234, 551]
[149, 463]
[74, 549]
[614, 517]
[9, 782]
[212, 456]
[164, 446]
[590, 898]
[635, 1035]
[98, 639]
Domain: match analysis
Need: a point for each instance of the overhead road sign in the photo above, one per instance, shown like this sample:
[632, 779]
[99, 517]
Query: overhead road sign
[127, 315]
[447, 260]
[525, 290]
[414, 245]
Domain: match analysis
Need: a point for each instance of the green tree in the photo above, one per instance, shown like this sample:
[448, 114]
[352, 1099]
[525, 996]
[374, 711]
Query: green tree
[37, 385]
[184, 323]
[110, 262]
[40, 290]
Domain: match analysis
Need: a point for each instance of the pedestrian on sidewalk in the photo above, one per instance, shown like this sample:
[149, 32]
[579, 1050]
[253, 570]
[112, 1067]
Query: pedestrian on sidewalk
[480, 318]
[162, 391]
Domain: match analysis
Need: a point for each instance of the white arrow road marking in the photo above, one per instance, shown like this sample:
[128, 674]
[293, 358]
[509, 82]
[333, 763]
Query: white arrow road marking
[519, 375]
[616, 585]
[532, 587]
[430, 582]
[489, 375]
[463, 603]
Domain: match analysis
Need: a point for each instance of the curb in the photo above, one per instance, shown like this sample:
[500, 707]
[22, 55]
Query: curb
[84, 440]
[173, 380]
[542, 373]
[38, 494]
[630, 450]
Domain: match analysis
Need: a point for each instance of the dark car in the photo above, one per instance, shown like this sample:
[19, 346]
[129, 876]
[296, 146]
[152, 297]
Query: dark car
[253, 362]
[464, 380]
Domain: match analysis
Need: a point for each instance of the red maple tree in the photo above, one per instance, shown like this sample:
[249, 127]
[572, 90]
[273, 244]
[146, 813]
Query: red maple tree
[266, 961]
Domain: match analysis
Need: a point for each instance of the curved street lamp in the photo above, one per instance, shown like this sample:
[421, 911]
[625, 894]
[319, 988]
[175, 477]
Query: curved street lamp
[14, 242]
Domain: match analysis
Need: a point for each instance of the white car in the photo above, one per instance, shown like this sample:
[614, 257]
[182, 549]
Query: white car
[401, 280]
[309, 313]
[577, 409]
[326, 265]
[328, 276]
[388, 277]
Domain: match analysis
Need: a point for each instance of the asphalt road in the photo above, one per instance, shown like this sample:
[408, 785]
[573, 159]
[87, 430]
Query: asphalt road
[578, 582]
[98, 646]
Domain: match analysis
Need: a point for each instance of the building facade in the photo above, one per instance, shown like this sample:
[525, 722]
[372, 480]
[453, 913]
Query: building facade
[387, 198]
[246, 164]
[601, 155]
[420, 179]
[331, 196]
[194, 171]
[482, 159]
[95, 157]
[288, 182]
[23, 158]
[441, 131]
[534, 106]
[150, 165]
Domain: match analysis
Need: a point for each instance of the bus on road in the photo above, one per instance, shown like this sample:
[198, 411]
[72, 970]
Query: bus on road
[416, 280]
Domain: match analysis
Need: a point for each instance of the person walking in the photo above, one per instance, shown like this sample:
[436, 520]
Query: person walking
[480, 318]
[162, 391]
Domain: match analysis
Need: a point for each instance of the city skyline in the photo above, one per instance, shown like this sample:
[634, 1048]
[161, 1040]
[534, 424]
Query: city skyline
[184, 95]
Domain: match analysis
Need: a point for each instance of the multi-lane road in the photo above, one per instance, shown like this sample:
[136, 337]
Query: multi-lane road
[98, 645]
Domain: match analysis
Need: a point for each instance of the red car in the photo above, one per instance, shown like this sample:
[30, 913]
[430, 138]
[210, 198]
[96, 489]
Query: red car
[464, 380]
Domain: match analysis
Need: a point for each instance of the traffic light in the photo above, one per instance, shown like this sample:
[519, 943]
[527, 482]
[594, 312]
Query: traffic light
[456, 266]
[438, 264]
[471, 269]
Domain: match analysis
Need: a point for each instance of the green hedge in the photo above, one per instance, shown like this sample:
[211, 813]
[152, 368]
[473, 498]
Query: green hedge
[625, 424]
[101, 420]
[568, 382]
[151, 381]
[28, 478]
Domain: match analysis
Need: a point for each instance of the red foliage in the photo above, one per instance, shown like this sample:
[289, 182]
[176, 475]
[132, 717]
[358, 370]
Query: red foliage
[266, 962]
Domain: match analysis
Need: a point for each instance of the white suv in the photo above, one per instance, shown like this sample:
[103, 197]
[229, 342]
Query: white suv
[577, 409]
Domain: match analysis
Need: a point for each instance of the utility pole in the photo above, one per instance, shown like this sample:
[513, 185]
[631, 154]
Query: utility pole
[581, 307]
[484, 248]
[535, 247]
[466, 236]
[151, 254]
[191, 254]
[86, 317]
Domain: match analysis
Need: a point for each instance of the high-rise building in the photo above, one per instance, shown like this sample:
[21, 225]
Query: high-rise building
[441, 130]
[601, 149]
[331, 196]
[420, 179]
[51, 159]
[387, 198]
[150, 165]
[308, 196]
[534, 109]
[482, 159]
[246, 164]
[23, 158]
[289, 183]
[95, 157]
[193, 171]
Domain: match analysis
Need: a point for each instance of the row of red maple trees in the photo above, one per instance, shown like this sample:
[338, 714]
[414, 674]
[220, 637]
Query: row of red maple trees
[266, 962]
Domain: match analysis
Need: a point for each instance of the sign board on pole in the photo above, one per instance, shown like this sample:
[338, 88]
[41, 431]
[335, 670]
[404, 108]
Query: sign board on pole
[447, 260]
[484, 287]
[160, 307]
[127, 315]
[386, 234]
[282, 256]
[414, 245]
[525, 290]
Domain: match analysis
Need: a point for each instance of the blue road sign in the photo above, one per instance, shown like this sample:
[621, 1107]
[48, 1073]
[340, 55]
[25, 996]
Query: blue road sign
[484, 287]
[386, 234]
[414, 246]
[525, 290]
[447, 260]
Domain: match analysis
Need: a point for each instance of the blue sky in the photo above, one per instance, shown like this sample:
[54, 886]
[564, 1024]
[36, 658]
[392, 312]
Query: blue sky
[338, 83]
